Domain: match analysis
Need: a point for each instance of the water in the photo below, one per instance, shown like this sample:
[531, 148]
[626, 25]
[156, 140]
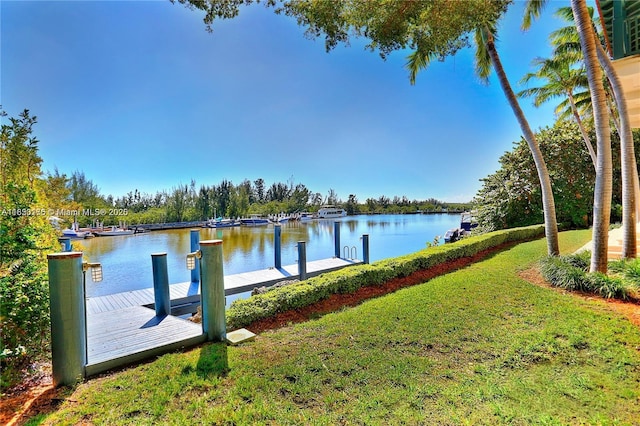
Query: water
[126, 260]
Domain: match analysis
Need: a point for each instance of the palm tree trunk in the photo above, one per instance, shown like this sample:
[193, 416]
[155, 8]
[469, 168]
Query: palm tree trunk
[548, 204]
[604, 174]
[583, 130]
[627, 158]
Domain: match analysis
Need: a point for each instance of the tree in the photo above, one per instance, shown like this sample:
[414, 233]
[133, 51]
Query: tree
[603, 185]
[568, 40]
[486, 58]
[511, 196]
[562, 80]
[431, 29]
[352, 205]
[25, 237]
[82, 190]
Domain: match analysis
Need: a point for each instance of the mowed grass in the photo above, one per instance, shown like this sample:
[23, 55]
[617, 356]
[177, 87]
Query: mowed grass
[476, 346]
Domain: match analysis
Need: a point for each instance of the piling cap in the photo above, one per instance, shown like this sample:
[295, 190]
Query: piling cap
[65, 255]
[210, 243]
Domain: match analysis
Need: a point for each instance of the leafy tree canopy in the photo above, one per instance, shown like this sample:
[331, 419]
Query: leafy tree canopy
[436, 27]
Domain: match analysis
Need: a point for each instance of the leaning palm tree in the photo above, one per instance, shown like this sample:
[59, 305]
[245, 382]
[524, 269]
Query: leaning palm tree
[620, 118]
[593, 52]
[604, 169]
[562, 80]
[487, 58]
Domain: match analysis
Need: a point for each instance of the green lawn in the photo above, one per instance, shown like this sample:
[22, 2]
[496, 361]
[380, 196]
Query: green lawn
[476, 346]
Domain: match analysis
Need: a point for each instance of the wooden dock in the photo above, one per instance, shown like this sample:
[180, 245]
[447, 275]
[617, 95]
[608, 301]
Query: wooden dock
[135, 333]
[187, 293]
[123, 329]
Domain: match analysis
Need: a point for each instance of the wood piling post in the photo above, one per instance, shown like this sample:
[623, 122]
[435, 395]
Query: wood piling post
[68, 318]
[365, 248]
[195, 246]
[277, 244]
[161, 284]
[336, 238]
[302, 260]
[212, 290]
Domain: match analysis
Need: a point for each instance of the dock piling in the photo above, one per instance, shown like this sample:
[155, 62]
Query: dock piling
[277, 244]
[195, 246]
[68, 319]
[365, 248]
[302, 260]
[336, 237]
[65, 244]
[212, 290]
[161, 284]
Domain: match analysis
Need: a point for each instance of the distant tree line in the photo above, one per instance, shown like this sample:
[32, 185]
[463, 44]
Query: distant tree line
[190, 202]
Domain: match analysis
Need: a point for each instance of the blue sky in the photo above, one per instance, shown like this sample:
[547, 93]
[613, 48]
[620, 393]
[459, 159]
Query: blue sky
[138, 95]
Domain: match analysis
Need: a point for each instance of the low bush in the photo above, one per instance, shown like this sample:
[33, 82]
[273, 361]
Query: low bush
[304, 293]
[571, 273]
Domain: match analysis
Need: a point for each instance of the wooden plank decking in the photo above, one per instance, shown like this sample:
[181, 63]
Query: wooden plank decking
[183, 293]
[121, 330]
[119, 337]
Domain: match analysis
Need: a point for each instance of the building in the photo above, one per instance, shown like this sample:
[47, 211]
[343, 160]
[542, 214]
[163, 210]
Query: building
[621, 20]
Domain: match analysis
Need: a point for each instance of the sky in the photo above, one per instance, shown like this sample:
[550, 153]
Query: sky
[138, 95]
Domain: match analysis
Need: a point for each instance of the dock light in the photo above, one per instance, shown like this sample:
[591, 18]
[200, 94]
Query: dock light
[191, 259]
[96, 271]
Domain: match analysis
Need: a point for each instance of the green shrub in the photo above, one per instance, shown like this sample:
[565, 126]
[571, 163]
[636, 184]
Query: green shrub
[561, 273]
[607, 286]
[570, 272]
[300, 294]
[24, 312]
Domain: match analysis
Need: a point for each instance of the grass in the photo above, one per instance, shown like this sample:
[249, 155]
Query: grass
[477, 346]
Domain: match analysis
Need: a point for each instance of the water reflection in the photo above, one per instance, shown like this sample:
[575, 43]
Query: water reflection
[126, 260]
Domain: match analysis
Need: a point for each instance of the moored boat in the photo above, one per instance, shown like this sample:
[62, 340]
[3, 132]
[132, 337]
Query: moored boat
[331, 212]
[222, 223]
[114, 231]
[254, 220]
[75, 232]
[467, 223]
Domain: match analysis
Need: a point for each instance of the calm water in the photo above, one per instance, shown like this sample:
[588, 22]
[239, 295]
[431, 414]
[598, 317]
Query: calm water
[126, 260]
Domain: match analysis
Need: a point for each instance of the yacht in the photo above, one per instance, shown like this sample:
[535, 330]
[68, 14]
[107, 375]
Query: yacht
[331, 212]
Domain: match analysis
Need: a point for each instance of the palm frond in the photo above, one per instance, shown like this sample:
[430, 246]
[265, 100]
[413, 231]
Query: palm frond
[532, 11]
[483, 60]
[417, 61]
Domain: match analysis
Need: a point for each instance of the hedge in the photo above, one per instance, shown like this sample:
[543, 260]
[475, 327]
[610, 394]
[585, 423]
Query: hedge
[243, 312]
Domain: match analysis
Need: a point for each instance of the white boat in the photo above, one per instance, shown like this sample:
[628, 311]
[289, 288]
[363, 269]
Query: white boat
[331, 212]
[75, 232]
[306, 217]
[114, 231]
[72, 233]
[468, 221]
[280, 218]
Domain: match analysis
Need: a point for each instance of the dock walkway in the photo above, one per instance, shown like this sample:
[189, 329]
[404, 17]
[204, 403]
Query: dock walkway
[122, 329]
[188, 293]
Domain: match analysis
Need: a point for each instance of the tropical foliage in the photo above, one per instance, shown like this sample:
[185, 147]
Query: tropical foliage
[510, 196]
[25, 237]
